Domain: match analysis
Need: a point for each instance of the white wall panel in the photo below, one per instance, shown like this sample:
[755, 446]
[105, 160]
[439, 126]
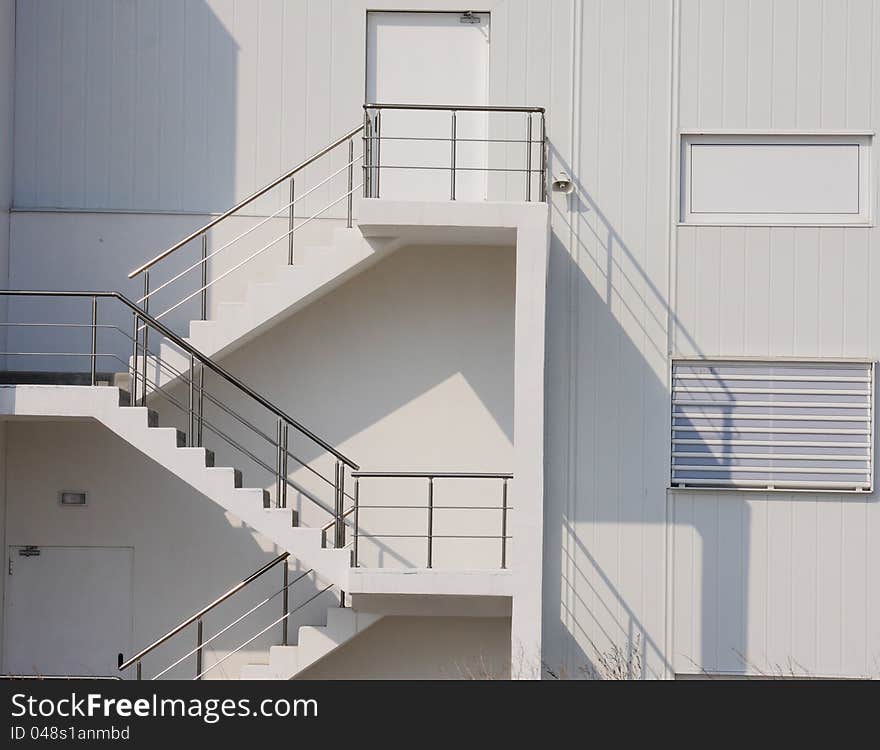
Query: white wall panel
[803, 562]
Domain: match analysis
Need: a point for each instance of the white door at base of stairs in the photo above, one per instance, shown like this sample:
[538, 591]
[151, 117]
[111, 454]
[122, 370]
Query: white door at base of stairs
[68, 610]
[430, 58]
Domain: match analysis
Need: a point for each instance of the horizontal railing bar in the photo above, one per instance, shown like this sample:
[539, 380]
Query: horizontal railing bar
[457, 168]
[54, 354]
[429, 475]
[453, 107]
[433, 536]
[180, 342]
[435, 507]
[448, 140]
[250, 199]
[57, 325]
[192, 618]
[264, 630]
[58, 677]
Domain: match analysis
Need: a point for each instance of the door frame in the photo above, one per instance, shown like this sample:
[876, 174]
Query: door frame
[10, 546]
[365, 31]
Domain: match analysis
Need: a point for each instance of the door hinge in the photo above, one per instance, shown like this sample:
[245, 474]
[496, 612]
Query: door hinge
[31, 550]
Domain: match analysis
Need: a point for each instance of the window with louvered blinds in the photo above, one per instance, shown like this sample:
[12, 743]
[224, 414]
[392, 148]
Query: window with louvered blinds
[772, 425]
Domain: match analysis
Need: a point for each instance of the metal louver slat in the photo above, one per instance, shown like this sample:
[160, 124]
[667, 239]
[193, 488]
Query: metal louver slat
[772, 425]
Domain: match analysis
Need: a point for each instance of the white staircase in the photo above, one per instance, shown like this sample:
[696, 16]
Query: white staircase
[191, 465]
[314, 643]
[317, 271]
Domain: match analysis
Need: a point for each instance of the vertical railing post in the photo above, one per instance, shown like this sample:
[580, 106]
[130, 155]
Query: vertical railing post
[291, 221]
[350, 180]
[367, 150]
[284, 454]
[191, 412]
[199, 641]
[452, 158]
[135, 337]
[504, 524]
[339, 534]
[529, 157]
[378, 164]
[201, 419]
[94, 357]
[146, 307]
[278, 482]
[354, 544]
[430, 521]
[543, 157]
[204, 294]
[284, 604]
[139, 672]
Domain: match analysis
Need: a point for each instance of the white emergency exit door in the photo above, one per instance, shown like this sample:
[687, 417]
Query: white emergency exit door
[430, 58]
[68, 610]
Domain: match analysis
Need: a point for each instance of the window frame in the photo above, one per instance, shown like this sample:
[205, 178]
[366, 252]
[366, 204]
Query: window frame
[672, 486]
[864, 139]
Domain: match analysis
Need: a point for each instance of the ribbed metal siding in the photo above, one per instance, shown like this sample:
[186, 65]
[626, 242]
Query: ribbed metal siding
[783, 425]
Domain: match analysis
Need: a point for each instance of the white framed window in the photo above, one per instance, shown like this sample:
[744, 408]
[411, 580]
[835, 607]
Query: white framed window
[772, 425]
[776, 178]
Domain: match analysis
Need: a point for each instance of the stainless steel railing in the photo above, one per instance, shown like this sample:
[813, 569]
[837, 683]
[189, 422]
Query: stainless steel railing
[267, 449]
[429, 507]
[198, 619]
[265, 446]
[200, 266]
[373, 139]
[193, 280]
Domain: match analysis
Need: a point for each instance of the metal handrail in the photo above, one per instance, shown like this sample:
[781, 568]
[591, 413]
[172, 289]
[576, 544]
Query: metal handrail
[203, 359]
[430, 507]
[200, 646]
[244, 234]
[203, 611]
[282, 619]
[429, 475]
[373, 138]
[454, 107]
[249, 258]
[241, 204]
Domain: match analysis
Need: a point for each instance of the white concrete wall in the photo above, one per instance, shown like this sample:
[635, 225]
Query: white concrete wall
[422, 648]
[178, 536]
